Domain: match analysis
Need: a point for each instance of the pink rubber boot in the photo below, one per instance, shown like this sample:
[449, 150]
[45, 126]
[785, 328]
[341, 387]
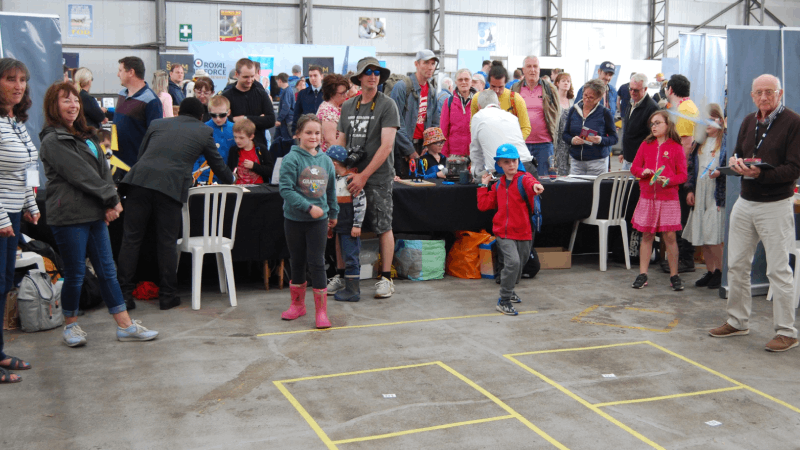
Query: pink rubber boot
[298, 307]
[321, 303]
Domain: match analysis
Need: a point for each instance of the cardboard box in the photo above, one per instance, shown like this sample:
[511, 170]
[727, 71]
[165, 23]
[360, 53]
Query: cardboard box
[554, 257]
[488, 259]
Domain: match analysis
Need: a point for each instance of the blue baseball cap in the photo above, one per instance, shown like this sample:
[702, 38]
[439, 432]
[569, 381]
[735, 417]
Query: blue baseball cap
[337, 153]
[507, 151]
[608, 66]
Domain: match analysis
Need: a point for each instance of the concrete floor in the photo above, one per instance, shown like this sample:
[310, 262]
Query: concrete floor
[216, 378]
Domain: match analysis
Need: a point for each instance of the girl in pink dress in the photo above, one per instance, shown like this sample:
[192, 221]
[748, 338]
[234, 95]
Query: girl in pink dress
[660, 166]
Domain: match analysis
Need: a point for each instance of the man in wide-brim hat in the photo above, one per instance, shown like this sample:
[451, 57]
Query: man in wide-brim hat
[371, 120]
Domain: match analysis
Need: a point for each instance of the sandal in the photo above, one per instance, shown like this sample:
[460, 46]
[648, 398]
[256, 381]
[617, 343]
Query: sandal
[16, 364]
[5, 377]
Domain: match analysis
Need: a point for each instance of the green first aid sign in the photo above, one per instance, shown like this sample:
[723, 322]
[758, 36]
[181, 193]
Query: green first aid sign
[185, 32]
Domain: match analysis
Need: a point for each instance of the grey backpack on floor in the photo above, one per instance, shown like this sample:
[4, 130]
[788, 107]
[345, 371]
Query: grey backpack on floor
[39, 303]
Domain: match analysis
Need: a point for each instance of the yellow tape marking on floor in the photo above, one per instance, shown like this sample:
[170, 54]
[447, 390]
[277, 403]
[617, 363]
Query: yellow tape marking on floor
[668, 397]
[350, 327]
[358, 372]
[580, 318]
[725, 377]
[577, 398]
[558, 350]
[332, 444]
[502, 404]
[420, 430]
[313, 423]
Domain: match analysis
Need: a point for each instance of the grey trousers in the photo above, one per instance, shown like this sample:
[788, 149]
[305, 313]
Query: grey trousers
[772, 223]
[514, 256]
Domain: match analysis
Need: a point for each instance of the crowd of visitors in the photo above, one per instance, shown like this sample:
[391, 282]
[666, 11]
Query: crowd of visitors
[352, 140]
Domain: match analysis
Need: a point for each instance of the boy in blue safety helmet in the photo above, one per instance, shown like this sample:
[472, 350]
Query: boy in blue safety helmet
[352, 209]
[512, 222]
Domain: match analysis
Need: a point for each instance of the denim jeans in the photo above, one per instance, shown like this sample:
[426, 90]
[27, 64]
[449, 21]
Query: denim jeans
[8, 261]
[74, 243]
[542, 153]
[351, 250]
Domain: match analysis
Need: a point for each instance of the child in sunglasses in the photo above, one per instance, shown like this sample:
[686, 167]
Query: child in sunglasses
[219, 108]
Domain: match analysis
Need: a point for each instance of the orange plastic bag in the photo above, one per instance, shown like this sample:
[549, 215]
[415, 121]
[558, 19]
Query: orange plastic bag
[464, 259]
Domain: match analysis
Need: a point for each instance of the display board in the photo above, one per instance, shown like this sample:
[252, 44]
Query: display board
[34, 39]
[218, 59]
[753, 51]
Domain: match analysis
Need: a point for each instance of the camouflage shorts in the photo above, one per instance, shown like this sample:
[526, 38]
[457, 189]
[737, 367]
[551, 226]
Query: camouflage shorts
[379, 208]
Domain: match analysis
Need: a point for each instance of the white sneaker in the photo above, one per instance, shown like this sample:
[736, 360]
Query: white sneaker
[335, 284]
[384, 288]
[74, 336]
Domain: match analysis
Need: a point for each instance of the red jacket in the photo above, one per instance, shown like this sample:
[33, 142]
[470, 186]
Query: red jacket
[652, 156]
[513, 218]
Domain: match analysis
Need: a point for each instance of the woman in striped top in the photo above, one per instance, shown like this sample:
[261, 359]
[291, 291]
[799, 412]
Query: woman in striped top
[17, 200]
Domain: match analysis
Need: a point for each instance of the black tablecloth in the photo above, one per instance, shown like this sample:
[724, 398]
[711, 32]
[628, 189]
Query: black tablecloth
[455, 207]
[417, 209]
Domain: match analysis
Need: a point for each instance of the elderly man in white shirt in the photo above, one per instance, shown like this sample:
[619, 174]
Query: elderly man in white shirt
[492, 127]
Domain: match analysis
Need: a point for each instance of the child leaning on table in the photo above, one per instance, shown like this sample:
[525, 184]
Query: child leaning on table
[433, 161]
[659, 209]
[352, 209]
[512, 222]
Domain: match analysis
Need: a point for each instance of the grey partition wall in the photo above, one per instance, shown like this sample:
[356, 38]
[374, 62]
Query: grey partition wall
[36, 41]
[753, 51]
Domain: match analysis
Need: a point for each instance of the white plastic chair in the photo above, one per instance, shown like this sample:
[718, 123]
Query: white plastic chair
[212, 239]
[618, 206]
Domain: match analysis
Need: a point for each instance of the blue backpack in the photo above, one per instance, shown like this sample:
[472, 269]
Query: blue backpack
[536, 211]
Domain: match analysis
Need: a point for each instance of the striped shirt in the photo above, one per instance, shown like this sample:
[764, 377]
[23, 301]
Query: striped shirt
[16, 153]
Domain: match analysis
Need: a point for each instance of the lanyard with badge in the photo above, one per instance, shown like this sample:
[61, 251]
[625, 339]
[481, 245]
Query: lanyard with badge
[763, 136]
[32, 167]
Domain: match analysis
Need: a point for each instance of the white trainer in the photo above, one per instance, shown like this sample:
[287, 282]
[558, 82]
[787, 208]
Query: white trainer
[335, 284]
[384, 288]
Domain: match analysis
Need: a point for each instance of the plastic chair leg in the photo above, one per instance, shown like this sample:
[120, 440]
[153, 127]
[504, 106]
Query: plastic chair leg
[602, 228]
[197, 278]
[624, 228]
[228, 266]
[574, 233]
[223, 286]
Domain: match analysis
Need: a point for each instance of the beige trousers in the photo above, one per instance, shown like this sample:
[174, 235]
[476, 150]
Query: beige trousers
[772, 223]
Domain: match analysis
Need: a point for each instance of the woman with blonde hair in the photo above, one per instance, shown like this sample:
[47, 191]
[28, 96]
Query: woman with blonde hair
[706, 223]
[95, 115]
[160, 85]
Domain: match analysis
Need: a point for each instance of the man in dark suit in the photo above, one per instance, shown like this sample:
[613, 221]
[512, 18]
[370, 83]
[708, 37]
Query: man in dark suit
[158, 185]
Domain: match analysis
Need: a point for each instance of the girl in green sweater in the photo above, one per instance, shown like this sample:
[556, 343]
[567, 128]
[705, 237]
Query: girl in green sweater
[308, 188]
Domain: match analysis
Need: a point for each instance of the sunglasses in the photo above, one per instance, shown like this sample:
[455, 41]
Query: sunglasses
[218, 116]
[376, 72]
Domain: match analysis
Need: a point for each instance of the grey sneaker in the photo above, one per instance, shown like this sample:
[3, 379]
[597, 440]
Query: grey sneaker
[335, 284]
[74, 336]
[515, 298]
[135, 332]
[384, 288]
[505, 307]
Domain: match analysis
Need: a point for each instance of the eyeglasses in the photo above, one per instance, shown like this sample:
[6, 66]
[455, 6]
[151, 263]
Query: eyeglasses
[768, 93]
[655, 124]
[636, 90]
[376, 72]
[203, 92]
[218, 116]
[342, 93]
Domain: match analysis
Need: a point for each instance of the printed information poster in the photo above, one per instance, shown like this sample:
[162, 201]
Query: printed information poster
[486, 36]
[80, 20]
[230, 25]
